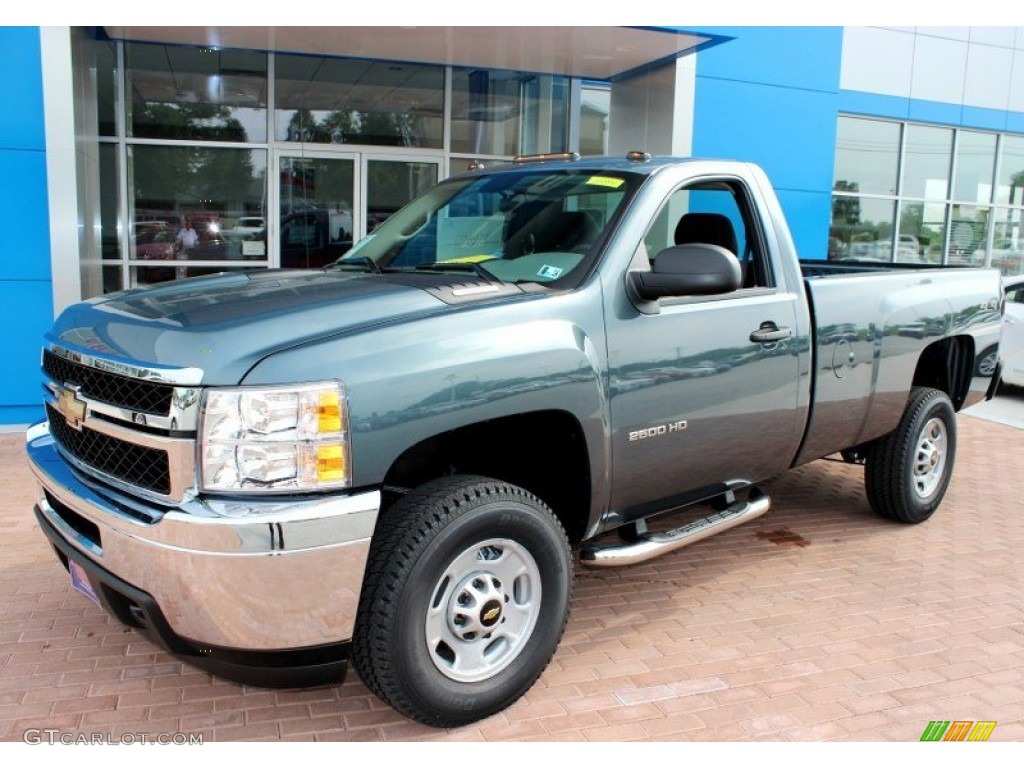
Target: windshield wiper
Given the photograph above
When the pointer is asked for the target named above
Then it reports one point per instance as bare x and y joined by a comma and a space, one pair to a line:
359, 261
460, 266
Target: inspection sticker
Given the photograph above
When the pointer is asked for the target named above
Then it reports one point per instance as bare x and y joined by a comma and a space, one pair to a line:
606, 181
551, 273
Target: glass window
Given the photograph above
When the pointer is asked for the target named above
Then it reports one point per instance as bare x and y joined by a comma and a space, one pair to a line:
186, 202
182, 92
109, 208
496, 112
105, 63
349, 101
485, 112
111, 277
926, 162
390, 184
975, 163
715, 213
861, 228
968, 233
595, 106
531, 226
544, 125
922, 232
316, 225
1010, 189
867, 156
1008, 241
99, 235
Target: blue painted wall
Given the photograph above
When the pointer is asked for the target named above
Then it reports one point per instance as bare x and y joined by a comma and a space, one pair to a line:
771, 96
26, 304
919, 110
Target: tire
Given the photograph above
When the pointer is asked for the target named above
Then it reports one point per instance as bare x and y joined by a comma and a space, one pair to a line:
465, 598
908, 470
987, 361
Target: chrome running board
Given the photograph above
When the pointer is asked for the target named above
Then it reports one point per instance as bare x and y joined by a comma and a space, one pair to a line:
650, 545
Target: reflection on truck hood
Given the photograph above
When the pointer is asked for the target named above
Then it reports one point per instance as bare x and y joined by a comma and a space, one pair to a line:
225, 324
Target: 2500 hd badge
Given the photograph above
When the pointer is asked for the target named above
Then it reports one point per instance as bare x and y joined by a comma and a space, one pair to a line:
661, 429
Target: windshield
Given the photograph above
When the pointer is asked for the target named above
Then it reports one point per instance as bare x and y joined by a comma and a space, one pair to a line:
517, 226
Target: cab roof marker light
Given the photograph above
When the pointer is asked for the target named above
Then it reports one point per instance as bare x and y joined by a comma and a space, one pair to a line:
638, 156
545, 158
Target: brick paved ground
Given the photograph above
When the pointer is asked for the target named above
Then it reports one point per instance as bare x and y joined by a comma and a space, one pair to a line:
816, 622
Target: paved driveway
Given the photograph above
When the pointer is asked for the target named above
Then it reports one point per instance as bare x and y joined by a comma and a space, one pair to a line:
817, 621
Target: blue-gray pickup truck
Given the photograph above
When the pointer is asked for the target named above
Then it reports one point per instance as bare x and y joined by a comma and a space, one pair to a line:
397, 459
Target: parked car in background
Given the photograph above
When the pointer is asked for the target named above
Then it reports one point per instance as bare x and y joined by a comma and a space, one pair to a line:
154, 243
909, 249
1007, 257
1011, 346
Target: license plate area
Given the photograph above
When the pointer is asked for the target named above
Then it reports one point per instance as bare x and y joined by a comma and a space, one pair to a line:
80, 581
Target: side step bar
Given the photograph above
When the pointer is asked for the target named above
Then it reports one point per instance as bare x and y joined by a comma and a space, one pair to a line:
650, 545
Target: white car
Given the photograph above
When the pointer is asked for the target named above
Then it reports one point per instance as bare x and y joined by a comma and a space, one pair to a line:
1011, 345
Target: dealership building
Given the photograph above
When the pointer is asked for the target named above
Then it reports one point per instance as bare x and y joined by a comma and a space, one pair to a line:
283, 145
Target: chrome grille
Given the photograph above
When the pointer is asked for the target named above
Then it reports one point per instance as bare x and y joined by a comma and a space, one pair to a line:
137, 465
106, 387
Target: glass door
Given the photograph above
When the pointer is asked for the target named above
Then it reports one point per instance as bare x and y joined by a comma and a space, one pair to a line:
329, 200
319, 204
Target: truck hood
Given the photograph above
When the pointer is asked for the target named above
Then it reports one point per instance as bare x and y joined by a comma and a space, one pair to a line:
225, 324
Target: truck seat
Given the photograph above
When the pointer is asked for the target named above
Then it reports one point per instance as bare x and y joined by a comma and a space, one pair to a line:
713, 228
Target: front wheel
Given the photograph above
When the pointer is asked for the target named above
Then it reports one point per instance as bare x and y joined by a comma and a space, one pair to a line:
464, 601
907, 471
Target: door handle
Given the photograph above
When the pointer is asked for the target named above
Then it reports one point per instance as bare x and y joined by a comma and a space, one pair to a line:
769, 332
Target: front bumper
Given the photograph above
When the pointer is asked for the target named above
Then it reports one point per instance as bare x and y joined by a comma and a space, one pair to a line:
244, 583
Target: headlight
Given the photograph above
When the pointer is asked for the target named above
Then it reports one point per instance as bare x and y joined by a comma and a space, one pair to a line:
290, 438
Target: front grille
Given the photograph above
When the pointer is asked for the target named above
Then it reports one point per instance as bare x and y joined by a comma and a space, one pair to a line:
111, 388
136, 465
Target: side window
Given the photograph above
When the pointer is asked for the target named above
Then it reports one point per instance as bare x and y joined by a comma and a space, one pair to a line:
713, 212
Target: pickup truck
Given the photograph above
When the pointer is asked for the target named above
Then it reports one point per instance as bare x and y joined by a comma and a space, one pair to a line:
396, 459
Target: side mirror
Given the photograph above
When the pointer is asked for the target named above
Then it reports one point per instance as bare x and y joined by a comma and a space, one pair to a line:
696, 269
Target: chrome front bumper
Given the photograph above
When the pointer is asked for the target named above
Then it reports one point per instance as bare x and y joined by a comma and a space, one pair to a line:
253, 575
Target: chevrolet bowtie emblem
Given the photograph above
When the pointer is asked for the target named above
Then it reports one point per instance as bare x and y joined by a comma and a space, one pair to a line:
492, 614
71, 408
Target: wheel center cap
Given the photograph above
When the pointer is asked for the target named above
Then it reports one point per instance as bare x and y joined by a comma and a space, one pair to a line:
490, 613
934, 458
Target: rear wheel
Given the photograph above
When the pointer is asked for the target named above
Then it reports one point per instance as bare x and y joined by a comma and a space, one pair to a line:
908, 470
987, 362
466, 594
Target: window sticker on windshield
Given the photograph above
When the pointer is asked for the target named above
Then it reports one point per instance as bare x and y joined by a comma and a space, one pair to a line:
551, 273
606, 181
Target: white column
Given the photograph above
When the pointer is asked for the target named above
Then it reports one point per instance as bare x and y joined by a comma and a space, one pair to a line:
653, 111
58, 98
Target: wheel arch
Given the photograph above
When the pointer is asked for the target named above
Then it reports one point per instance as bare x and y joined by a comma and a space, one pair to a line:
543, 452
948, 366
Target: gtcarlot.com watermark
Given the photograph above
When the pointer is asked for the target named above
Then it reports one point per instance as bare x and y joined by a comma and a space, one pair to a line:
57, 736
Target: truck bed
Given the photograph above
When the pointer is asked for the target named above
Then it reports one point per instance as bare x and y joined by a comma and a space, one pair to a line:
818, 268
872, 323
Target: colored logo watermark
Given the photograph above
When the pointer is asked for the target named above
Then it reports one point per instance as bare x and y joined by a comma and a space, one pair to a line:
958, 730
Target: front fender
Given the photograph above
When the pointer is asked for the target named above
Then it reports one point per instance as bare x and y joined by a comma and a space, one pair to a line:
408, 382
